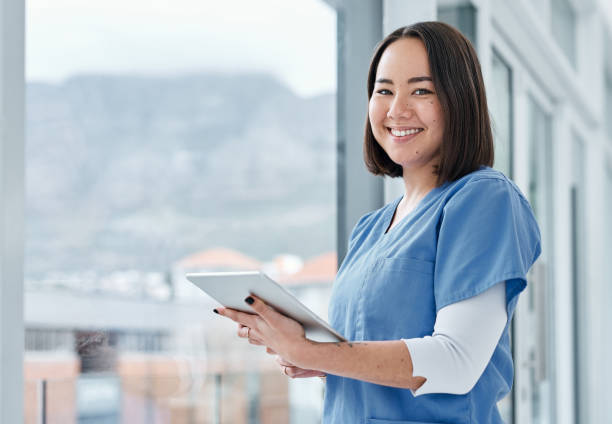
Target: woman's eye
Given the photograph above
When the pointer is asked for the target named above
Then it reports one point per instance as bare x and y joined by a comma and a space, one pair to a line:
421, 91
384, 91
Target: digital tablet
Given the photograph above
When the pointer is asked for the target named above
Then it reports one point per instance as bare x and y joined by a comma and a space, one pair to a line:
231, 288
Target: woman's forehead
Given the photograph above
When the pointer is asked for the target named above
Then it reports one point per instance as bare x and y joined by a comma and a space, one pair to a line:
405, 58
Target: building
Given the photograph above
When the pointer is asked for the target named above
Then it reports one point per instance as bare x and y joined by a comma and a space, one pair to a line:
161, 360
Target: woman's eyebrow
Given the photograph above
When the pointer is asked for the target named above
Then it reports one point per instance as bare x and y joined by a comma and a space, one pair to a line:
410, 81
419, 79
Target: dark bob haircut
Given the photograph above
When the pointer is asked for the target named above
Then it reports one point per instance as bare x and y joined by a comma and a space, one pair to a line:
467, 142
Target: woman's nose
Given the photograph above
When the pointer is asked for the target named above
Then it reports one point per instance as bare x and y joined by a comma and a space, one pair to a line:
400, 108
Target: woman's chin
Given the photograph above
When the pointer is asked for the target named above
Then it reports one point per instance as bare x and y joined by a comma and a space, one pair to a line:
414, 164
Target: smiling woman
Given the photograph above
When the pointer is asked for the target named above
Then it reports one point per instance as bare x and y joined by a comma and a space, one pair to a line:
422, 270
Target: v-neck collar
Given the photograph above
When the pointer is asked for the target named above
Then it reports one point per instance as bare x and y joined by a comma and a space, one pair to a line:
393, 209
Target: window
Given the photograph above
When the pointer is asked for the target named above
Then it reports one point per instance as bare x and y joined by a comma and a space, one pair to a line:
580, 311
462, 17
608, 106
607, 302
163, 139
563, 26
499, 97
500, 106
540, 290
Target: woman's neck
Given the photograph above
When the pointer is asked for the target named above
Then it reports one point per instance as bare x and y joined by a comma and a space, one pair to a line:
417, 183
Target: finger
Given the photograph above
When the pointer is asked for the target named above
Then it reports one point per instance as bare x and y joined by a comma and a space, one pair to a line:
270, 351
308, 374
248, 333
243, 331
283, 362
315, 373
263, 310
292, 372
296, 372
255, 335
248, 320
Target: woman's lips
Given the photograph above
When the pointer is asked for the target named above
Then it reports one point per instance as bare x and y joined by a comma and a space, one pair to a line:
409, 134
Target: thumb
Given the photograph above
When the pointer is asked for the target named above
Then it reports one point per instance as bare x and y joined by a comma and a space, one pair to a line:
263, 310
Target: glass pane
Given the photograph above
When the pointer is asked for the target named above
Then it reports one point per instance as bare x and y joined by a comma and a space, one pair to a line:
499, 97
608, 108
500, 108
540, 290
164, 138
581, 387
607, 301
462, 17
563, 25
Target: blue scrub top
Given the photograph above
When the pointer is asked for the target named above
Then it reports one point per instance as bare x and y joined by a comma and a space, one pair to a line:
462, 238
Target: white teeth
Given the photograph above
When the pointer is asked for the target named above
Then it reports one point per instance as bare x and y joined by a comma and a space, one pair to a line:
401, 133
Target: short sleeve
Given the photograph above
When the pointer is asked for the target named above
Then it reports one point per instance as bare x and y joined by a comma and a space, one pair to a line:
360, 230
487, 234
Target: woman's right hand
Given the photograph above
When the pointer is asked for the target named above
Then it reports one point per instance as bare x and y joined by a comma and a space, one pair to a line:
291, 370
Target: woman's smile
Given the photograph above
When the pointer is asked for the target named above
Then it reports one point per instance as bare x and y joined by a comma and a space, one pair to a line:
403, 134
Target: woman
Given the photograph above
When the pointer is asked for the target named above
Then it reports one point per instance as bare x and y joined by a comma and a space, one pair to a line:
430, 281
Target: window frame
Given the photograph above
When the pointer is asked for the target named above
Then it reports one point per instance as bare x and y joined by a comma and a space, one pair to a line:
526, 87
12, 184
359, 30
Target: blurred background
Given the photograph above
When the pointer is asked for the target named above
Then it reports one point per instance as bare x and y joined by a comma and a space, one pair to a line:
168, 137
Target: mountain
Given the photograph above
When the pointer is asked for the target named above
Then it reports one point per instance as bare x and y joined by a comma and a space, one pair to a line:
129, 172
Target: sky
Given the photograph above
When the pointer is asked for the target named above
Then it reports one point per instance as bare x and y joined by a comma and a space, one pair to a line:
294, 40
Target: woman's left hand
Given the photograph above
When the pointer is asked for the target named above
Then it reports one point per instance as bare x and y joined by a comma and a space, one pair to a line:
268, 328
292, 371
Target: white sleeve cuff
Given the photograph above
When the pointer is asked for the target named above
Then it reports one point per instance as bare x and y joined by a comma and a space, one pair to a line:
455, 356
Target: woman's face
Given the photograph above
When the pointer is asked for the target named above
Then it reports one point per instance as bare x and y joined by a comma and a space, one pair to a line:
404, 110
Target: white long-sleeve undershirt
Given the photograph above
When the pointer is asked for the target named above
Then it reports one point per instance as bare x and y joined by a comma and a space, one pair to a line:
465, 335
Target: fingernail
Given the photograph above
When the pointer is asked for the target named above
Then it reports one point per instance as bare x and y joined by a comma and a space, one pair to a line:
215, 311
249, 300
